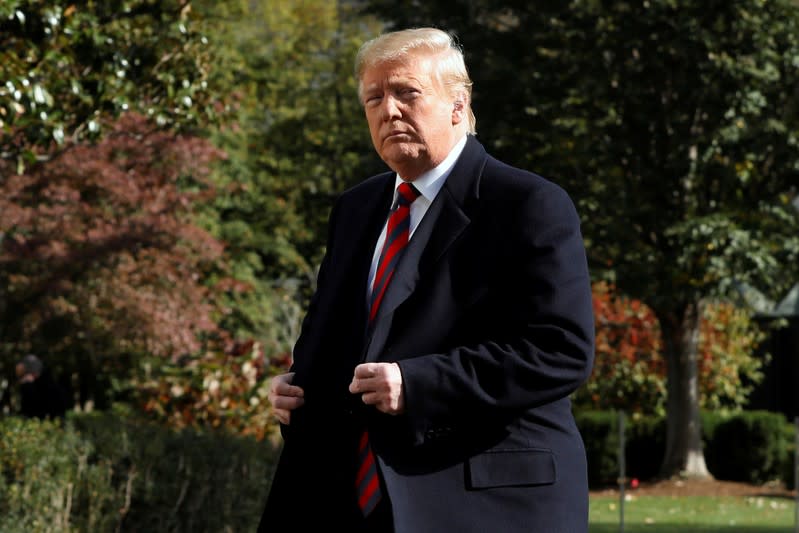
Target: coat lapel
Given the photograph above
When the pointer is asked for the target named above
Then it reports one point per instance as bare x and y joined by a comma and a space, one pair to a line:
444, 221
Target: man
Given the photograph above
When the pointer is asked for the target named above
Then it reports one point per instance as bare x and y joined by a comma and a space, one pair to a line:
40, 395
430, 385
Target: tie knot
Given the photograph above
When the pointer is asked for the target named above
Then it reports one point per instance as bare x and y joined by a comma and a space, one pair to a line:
407, 193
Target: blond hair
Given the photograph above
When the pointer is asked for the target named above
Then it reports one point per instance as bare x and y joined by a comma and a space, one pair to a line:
450, 69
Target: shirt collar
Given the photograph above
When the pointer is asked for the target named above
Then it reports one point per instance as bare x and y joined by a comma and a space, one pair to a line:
430, 182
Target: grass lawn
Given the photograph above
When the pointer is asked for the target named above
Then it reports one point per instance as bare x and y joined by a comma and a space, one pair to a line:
694, 514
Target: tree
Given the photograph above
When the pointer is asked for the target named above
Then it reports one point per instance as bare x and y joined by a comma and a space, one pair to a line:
295, 138
673, 124
99, 259
298, 140
66, 71
97, 254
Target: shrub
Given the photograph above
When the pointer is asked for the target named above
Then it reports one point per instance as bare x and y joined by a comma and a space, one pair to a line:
728, 366
645, 446
103, 472
629, 370
600, 431
48, 482
788, 470
749, 446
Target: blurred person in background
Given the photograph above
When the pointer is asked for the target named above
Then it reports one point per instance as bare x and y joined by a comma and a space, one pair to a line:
40, 396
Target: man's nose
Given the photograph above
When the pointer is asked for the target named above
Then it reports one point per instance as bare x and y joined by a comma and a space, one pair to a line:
390, 108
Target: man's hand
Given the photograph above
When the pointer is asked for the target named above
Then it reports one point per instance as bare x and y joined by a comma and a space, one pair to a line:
380, 384
284, 396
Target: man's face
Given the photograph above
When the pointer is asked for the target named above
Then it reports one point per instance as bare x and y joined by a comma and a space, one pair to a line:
411, 118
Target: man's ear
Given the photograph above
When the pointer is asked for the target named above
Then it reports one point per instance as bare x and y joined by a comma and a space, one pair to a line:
458, 111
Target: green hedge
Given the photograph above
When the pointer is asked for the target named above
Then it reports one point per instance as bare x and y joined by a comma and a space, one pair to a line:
788, 468
600, 430
749, 446
102, 472
644, 445
46, 477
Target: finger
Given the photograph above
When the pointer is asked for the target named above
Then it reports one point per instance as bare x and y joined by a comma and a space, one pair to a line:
284, 389
379, 402
281, 384
283, 416
365, 385
370, 398
286, 378
366, 370
284, 401
362, 380
288, 403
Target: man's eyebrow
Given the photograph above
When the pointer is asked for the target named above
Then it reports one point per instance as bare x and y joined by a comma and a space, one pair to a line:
404, 81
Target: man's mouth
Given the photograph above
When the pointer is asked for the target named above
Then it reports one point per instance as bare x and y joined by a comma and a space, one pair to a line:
396, 134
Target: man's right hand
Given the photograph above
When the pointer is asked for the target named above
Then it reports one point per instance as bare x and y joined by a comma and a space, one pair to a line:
284, 396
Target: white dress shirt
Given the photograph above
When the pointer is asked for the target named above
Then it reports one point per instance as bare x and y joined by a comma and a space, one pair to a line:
428, 185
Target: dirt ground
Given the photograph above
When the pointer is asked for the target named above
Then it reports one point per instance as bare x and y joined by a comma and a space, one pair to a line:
701, 487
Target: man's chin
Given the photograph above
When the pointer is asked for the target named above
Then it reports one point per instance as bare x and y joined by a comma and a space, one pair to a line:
399, 144
401, 149
400, 156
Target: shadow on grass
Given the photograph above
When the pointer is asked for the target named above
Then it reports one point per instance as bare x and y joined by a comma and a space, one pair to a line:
681, 528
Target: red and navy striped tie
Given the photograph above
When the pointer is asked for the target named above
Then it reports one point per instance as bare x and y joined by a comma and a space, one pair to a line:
397, 231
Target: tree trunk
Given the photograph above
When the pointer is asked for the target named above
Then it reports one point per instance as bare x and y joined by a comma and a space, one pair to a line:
684, 455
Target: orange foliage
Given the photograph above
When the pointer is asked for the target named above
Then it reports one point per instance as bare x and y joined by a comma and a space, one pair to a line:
630, 372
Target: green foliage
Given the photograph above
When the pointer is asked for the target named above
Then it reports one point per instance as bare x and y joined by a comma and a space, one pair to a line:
67, 69
294, 137
670, 121
51, 481
300, 136
98, 272
791, 459
729, 368
644, 439
600, 431
645, 442
749, 446
103, 473
95, 241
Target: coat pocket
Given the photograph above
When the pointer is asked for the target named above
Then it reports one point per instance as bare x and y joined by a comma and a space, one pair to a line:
511, 468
